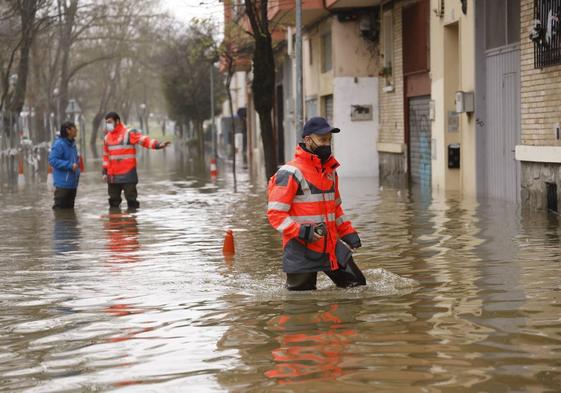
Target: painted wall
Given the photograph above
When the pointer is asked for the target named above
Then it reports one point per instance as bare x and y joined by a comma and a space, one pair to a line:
291, 134
351, 80
317, 84
355, 146
452, 42
392, 128
352, 54
256, 157
238, 88
311, 67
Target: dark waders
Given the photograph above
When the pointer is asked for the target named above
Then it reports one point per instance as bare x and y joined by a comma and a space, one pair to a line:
64, 198
114, 190
347, 277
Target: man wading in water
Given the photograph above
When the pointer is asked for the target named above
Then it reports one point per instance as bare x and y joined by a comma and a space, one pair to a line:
119, 160
305, 207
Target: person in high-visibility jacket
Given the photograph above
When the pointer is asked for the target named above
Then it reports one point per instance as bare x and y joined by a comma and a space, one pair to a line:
119, 159
304, 205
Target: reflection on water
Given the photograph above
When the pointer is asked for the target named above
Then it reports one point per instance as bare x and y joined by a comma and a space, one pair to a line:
462, 295
66, 232
309, 357
122, 237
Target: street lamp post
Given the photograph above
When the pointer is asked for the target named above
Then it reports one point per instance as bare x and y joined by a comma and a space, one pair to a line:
299, 103
213, 125
57, 98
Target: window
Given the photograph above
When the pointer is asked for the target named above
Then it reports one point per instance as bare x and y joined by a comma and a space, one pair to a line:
310, 51
388, 38
545, 34
502, 23
327, 108
311, 107
513, 21
326, 59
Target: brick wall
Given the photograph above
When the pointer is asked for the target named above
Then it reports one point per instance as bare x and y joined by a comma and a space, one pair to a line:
391, 103
540, 94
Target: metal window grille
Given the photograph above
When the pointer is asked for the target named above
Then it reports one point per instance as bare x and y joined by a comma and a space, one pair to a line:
547, 33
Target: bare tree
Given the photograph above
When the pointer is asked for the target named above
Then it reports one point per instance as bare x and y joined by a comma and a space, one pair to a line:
29, 24
263, 83
186, 76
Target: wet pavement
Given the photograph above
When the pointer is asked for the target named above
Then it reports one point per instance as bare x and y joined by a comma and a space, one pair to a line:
145, 302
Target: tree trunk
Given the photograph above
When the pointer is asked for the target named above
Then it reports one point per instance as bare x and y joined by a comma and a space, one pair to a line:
263, 83
28, 11
263, 89
67, 23
96, 122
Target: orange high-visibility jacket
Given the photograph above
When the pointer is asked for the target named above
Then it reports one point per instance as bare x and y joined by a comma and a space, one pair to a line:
119, 153
306, 192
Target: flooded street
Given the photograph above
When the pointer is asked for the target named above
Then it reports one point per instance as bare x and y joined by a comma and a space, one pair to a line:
146, 302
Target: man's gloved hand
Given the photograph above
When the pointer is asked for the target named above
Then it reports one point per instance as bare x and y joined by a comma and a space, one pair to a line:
356, 244
308, 234
352, 240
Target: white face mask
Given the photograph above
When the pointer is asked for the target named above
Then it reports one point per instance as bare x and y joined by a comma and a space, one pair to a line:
109, 126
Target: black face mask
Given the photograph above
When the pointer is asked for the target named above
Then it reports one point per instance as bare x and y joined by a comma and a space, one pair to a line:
323, 152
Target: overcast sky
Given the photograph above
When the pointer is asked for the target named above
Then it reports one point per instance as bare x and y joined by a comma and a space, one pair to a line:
185, 10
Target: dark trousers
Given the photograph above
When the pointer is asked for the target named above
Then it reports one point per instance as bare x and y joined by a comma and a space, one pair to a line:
64, 198
347, 277
114, 190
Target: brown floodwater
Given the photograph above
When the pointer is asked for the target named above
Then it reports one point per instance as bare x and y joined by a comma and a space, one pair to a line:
463, 295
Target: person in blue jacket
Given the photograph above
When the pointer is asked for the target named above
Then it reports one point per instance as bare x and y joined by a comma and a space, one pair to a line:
65, 162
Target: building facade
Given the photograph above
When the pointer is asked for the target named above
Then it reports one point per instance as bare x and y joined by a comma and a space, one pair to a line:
539, 149
404, 143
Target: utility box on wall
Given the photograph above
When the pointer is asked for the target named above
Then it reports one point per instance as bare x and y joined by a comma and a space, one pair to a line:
454, 156
464, 102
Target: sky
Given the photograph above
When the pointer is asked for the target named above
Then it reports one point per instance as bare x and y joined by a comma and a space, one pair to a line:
185, 10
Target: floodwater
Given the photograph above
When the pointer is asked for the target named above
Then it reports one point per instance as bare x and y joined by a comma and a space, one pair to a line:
462, 296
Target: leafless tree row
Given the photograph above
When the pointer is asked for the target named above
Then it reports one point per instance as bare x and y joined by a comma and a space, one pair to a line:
101, 53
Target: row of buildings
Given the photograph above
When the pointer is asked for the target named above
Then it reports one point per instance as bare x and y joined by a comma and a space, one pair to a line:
450, 95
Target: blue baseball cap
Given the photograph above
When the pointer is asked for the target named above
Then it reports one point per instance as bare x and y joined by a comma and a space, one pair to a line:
319, 126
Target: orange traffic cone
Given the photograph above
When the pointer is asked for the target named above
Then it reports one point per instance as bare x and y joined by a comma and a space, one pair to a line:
229, 247
21, 176
213, 169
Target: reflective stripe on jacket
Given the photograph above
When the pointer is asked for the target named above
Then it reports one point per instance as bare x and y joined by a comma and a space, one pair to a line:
119, 153
306, 192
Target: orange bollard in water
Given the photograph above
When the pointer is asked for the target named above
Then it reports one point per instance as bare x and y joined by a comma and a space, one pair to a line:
229, 247
213, 169
49, 176
21, 176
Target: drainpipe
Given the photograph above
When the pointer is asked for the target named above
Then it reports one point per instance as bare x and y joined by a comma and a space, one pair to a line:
299, 79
